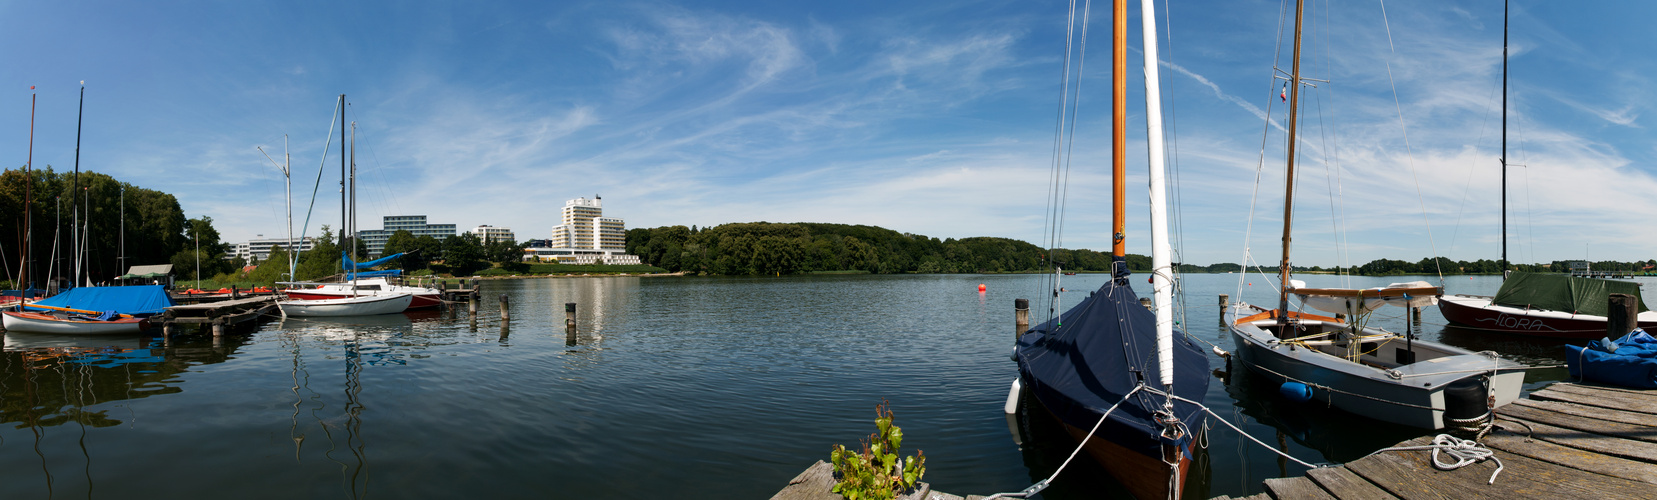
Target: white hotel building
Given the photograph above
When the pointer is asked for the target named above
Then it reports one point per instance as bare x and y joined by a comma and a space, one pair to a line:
259, 250
586, 237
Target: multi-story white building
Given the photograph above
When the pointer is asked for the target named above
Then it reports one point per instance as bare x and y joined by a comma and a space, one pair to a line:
586, 236
415, 224
487, 233
259, 250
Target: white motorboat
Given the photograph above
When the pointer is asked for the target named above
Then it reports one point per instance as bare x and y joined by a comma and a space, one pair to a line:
365, 305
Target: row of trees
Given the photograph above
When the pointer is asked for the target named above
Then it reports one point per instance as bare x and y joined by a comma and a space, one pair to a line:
460, 255
152, 223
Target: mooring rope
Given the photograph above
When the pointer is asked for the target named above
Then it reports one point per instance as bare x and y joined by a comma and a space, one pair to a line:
1465, 451
1042, 485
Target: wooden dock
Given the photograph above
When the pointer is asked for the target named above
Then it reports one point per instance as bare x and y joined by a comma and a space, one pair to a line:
817, 482
220, 316
1566, 441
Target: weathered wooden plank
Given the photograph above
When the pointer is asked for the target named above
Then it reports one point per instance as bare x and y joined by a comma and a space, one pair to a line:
1581, 410
1572, 393
1572, 457
813, 484
1295, 488
1635, 450
1616, 429
1593, 386
1398, 477
1554, 481
227, 303
1345, 485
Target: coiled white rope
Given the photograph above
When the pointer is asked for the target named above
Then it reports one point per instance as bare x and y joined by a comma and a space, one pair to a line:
1465, 452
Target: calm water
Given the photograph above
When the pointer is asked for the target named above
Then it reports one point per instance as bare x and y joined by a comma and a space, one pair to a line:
672, 388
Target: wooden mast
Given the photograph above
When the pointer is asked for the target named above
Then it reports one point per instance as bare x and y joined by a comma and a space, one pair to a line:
1119, 143
28, 203
1289, 176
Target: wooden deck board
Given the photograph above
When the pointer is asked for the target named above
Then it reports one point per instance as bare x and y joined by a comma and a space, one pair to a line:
1571, 457
1603, 388
223, 304
1342, 483
1582, 423
1614, 415
1599, 443
1296, 488
1572, 393
1398, 477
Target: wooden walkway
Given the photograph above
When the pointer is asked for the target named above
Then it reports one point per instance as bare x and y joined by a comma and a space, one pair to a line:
220, 316
817, 481
1566, 441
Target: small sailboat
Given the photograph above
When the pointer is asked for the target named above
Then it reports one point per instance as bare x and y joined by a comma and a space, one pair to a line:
1543, 305
356, 299
366, 283
1361, 369
1118, 377
90, 311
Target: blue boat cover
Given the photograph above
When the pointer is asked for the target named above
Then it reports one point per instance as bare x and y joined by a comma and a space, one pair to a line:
1099, 350
1630, 361
345, 261
142, 300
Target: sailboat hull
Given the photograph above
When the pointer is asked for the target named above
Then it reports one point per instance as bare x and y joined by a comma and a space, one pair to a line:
48, 323
351, 306
1479, 313
1143, 475
1378, 385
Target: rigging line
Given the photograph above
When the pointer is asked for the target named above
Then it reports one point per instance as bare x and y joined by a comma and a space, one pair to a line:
1049, 213
1171, 147
327, 143
378, 167
1344, 244
1329, 179
1408, 151
1075, 106
1524, 165
1260, 165
1467, 189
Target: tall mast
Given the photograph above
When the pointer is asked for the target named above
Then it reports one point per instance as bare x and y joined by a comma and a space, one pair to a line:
1504, 139
74, 204
1289, 177
1119, 143
1161, 251
28, 200
342, 168
287, 180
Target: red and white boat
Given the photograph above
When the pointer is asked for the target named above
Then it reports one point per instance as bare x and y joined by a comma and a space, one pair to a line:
366, 287
362, 305
1544, 305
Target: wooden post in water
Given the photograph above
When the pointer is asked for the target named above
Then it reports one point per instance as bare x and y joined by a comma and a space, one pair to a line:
506, 312
218, 328
1146, 301
234, 293
569, 315
472, 303
1621, 310
1225, 301
1021, 317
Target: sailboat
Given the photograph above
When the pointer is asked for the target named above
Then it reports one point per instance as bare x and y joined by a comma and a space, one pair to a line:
1545, 305
355, 304
1118, 377
1347, 364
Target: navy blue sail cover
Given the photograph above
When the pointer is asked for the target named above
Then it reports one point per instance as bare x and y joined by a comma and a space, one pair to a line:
1100, 350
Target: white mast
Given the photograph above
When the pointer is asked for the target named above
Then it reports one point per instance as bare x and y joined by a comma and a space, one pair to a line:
1162, 272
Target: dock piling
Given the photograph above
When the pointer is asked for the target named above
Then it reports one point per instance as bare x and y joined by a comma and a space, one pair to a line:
1021, 317
1225, 301
506, 312
569, 316
1621, 312
1146, 301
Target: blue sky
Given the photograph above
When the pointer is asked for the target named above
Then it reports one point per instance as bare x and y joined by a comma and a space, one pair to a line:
933, 118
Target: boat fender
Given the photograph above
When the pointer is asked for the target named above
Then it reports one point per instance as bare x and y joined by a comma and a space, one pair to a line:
1295, 391
1221, 352
1464, 399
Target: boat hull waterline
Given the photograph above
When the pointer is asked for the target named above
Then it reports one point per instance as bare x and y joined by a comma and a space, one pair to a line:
351, 306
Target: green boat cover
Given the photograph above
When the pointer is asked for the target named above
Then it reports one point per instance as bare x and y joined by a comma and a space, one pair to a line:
1563, 292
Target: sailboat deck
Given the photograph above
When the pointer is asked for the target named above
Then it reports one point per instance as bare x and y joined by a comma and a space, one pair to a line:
1567, 441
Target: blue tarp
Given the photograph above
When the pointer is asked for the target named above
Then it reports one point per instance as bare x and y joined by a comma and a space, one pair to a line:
1630, 361
135, 300
345, 261
1098, 351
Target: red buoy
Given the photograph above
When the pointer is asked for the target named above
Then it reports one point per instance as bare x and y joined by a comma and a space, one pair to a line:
981, 288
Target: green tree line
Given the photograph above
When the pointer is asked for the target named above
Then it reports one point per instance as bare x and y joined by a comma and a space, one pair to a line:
155, 227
